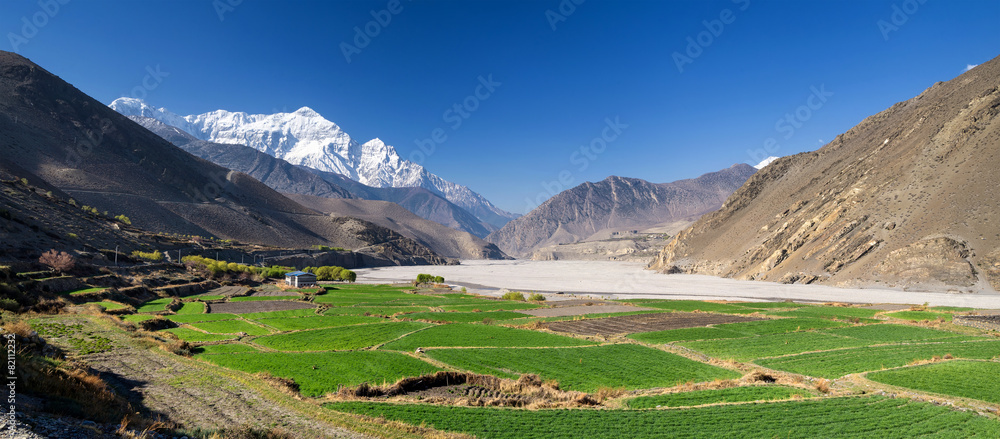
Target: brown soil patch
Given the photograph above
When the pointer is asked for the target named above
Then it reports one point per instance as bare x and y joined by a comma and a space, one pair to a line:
581, 310
645, 323
258, 306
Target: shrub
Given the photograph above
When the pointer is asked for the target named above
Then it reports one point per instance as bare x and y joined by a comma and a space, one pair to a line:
348, 275
58, 261
514, 295
124, 220
73, 236
439, 279
423, 278
155, 256
536, 298
9, 304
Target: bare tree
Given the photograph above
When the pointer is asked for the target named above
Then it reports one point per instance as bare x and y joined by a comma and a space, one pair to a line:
58, 261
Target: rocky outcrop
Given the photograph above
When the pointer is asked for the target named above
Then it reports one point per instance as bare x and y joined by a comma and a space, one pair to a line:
907, 198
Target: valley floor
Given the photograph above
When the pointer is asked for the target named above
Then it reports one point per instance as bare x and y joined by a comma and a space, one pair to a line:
630, 280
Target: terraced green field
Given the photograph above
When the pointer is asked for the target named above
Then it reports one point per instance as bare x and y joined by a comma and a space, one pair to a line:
917, 316
231, 327
780, 326
340, 338
464, 317
469, 335
828, 418
190, 335
110, 306
889, 333
832, 312
586, 368
691, 305
191, 318
838, 363
322, 372
156, 305
685, 334
967, 379
315, 321
191, 308
746, 349
735, 394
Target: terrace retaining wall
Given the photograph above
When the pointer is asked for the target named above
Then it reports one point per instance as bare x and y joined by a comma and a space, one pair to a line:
988, 323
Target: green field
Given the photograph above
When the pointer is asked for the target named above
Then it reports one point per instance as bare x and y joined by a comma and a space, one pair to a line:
838, 363
315, 322
191, 318
156, 305
470, 335
954, 378
888, 333
340, 338
464, 317
780, 326
826, 418
323, 372
491, 305
918, 316
190, 335
685, 334
587, 368
746, 349
192, 308
691, 305
229, 348
274, 314
832, 312
735, 394
231, 327
386, 311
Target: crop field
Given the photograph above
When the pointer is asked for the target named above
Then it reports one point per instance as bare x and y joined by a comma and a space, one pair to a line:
464, 317
746, 349
231, 327
780, 326
355, 334
967, 379
691, 305
919, 315
735, 394
834, 364
340, 338
587, 368
468, 335
154, 305
190, 335
110, 306
686, 334
192, 308
832, 417
323, 372
315, 322
192, 318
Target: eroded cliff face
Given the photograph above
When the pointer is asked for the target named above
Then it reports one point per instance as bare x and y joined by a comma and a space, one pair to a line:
906, 198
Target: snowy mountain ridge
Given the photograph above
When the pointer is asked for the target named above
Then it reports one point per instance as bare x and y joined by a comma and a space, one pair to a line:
305, 138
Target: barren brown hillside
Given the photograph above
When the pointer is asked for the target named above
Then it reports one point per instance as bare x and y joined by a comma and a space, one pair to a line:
906, 198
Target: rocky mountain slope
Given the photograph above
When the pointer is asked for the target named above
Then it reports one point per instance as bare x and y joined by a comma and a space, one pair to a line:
102, 159
594, 210
443, 240
906, 198
292, 179
305, 138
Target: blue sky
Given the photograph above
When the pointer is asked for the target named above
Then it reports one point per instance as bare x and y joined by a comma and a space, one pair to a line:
689, 86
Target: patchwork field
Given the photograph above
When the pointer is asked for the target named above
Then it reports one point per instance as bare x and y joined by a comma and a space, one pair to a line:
695, 369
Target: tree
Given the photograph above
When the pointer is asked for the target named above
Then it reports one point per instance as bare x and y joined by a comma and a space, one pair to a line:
348, 275
58, 261
424, 278
439, 279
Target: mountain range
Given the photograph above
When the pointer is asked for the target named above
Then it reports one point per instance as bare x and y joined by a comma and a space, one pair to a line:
54, 136
906, 198
595, 210
305, 138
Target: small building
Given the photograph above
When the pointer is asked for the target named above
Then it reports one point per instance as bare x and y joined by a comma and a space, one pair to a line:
300, 279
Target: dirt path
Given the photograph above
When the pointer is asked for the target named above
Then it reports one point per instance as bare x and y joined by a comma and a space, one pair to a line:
191, 393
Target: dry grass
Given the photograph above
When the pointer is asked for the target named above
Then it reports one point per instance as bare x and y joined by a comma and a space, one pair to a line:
823, 385
19, 328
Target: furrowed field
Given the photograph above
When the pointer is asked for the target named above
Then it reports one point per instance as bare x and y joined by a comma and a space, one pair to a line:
480, 365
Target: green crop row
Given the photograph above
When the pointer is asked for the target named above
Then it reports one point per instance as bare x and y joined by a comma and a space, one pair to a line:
969, 379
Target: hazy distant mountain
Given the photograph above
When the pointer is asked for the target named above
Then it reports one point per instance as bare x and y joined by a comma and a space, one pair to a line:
104, 160
305, 138
908, 197
593, 210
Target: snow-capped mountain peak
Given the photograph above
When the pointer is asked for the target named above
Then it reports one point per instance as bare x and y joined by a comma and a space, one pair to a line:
765, 162
306, 138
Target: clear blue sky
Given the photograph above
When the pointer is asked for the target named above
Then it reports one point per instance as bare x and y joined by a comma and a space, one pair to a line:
605, 59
